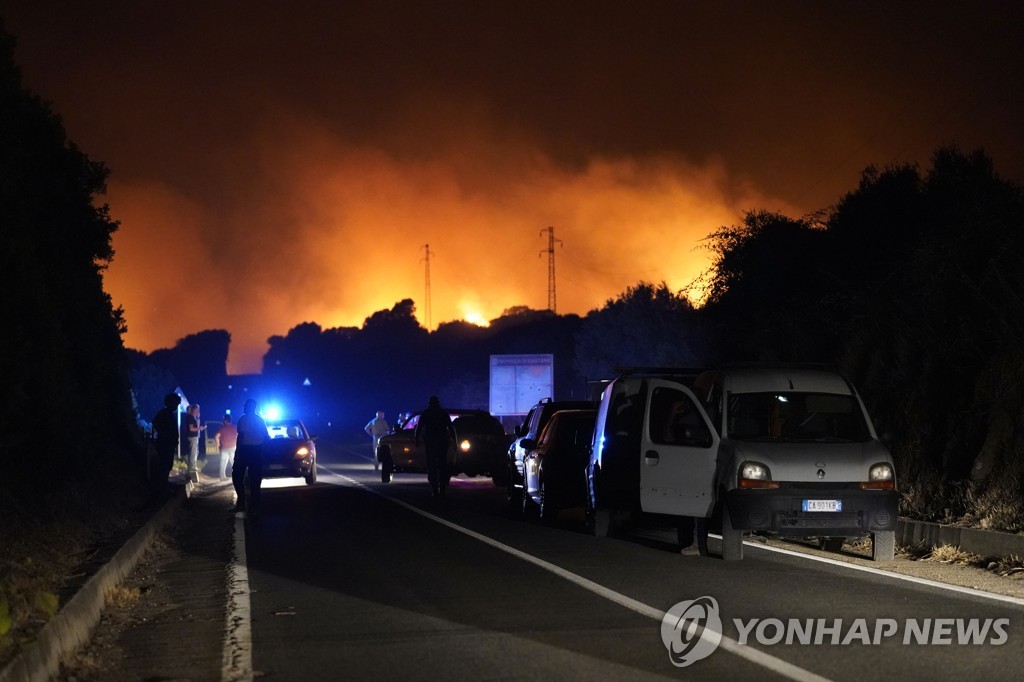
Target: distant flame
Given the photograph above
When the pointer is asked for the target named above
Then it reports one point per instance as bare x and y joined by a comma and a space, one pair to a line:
477, 319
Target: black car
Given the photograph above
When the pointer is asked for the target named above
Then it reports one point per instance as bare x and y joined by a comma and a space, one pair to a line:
535, 421
479, 447
480, 444
556, 464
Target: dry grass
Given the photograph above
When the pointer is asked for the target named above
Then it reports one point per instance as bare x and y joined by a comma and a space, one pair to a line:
121, 596
1008, 567
950, 554
47, 549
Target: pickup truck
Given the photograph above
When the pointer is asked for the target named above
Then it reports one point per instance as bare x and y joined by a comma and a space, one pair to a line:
780, 448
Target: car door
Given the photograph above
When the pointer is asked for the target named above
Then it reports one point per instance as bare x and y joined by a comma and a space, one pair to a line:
679, 451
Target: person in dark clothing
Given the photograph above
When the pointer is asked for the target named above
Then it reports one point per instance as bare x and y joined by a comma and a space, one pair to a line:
435, 430
252, 433
165, 426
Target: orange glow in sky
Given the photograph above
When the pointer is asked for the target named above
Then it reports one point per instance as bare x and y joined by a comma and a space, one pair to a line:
288, 163
336, 232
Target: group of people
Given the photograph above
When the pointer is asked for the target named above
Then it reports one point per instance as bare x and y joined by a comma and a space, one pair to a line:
239, 446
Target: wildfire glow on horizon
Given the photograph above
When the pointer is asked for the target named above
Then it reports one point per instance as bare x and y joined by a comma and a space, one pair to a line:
342, 239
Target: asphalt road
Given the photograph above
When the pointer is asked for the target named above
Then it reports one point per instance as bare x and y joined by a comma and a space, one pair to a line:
355, 579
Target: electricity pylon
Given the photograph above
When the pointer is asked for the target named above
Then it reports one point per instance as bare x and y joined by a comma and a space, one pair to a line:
551, 267
426, 286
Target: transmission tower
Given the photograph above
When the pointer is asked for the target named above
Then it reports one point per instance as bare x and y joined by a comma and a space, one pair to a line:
551, 266
426, 307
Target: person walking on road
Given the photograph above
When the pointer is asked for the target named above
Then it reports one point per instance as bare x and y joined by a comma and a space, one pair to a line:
252, 433
227, 441
435, 430
165, 426
375, 428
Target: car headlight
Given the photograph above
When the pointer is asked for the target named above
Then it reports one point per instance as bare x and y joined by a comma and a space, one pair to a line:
880, 477
756, 475
302, 452
464, 445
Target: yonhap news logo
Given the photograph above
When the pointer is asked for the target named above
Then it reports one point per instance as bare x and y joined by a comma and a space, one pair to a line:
692, 630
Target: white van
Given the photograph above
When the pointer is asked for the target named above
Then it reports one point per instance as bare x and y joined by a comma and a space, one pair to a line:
786, 449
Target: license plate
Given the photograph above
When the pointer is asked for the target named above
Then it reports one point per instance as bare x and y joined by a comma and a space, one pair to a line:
823, 505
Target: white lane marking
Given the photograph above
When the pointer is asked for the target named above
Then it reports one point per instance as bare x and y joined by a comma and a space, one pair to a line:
236, 662
760, 658
1017, 601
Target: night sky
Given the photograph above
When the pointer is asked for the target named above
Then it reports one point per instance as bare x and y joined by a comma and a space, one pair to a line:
275, 163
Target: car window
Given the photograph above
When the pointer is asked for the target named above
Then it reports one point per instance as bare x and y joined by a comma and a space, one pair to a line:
533, 424
674, 419
579, 431
796, 416
479, 424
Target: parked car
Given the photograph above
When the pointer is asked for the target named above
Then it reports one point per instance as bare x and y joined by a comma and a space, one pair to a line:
481, 443
556, 464
480, 436
784, 449
290, 451
534, 422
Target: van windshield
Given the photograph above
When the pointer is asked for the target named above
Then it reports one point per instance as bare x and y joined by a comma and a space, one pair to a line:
821, 417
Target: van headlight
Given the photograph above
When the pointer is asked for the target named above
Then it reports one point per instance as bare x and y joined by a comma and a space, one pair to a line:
880, 477
464, 445
756, 475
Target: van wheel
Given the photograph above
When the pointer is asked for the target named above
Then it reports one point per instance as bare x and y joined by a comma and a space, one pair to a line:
732, 538
883, 545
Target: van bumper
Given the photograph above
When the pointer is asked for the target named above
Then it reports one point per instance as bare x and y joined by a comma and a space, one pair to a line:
782, 510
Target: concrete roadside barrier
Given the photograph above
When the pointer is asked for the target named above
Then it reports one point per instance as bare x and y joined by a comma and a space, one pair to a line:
986, 543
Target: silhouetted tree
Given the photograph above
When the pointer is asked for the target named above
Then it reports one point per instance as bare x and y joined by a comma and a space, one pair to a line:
646, 326
63, 362
767, 293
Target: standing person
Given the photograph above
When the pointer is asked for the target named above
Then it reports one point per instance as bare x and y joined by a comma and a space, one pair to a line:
165, 424
190, 429
227, 441
436, 431
376, 428
252, 432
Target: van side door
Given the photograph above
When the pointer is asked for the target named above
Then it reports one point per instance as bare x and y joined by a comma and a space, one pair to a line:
679, 452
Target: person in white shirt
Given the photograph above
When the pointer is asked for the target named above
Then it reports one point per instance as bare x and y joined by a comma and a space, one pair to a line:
376, 428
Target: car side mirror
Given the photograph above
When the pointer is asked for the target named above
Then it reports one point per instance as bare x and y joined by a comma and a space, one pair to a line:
528, 444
